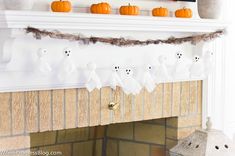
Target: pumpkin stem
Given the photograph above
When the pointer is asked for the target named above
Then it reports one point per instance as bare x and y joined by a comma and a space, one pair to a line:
129, 4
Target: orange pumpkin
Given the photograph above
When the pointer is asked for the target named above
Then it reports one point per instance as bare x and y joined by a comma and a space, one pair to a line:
100, 8
61, 6
129, 10
184, 13
162, 12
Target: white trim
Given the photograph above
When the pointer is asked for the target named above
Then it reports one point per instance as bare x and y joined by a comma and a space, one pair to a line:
214, 89
84, 21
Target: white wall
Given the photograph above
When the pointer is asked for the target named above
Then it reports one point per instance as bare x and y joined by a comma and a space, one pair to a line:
230, 71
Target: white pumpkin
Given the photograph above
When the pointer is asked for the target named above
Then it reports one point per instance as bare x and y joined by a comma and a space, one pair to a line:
18, 4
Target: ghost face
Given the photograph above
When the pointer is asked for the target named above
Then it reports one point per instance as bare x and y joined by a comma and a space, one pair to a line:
116, 68
209, 54
179, 55
196, 58
42, 52
128, 72
91, 66
67, 52
148, 68
162, 59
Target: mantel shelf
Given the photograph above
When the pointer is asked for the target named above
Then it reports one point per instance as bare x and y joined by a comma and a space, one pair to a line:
83, 21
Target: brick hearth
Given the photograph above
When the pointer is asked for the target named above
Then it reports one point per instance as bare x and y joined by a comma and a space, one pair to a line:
64, 119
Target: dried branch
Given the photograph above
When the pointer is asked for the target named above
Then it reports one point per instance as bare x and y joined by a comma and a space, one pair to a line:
121, 42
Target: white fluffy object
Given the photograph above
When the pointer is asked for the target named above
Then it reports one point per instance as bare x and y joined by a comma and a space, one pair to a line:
197, 68
146, 79
161, 72
115, 80
130, 85
208, 60
93, 80
42, 64
67, 65
181, 67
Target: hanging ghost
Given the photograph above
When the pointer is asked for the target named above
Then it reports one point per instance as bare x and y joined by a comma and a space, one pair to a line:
42, 64
67, 66
146, 79
161, 71
114, 79
197, 68
131, 86
93, 80
208, 61
181, 67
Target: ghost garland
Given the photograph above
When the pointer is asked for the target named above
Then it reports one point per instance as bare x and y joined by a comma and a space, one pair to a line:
131, 79
121, 42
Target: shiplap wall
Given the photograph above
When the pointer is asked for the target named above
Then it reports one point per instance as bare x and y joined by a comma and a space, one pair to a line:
38, 111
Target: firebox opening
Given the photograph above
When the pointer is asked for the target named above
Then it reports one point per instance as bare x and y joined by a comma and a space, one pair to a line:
143, 138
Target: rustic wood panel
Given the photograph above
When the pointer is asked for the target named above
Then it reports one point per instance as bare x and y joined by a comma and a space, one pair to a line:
184, 98
18, 124
176, 99
31, 109
127, 108
105, 100
70, 108
193, 97
199, 96
167, 110
117, 96
45, 110
159, 100
94, 107
139, 106
58, 109
148, 105
83, 106
5, 117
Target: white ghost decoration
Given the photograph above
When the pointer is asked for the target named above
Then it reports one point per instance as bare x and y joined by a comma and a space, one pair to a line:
115, 79
161, 71
146, 79
93, 80
197, 68
208, 60
181, 67
131, 86
42, 64
67, 65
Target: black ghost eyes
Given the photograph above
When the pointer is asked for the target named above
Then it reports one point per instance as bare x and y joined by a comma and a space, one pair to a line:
67, 52
116, 68
128, 71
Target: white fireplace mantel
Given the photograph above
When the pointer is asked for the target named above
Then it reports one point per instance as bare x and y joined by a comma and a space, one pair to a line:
12, 24
84, 21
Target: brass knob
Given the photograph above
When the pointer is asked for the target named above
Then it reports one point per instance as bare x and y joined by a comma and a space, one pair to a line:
113, 106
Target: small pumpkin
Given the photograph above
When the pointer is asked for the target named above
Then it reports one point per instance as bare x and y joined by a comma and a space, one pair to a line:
100, 8
184, 13
162, 12
61, 6
129, 10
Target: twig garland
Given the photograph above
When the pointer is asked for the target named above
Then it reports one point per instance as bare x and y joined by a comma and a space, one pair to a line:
121, 42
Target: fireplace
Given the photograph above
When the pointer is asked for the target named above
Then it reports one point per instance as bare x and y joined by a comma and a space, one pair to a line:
75, 122
40, 113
